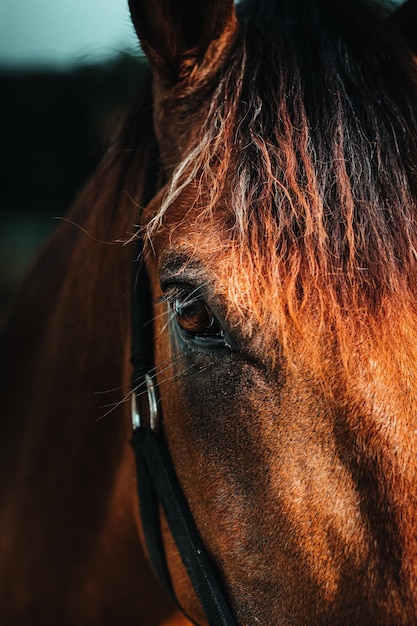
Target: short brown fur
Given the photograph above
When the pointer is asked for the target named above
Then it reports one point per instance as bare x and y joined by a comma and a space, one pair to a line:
287, 196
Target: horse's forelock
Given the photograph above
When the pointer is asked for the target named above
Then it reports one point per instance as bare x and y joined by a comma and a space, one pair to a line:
306, 163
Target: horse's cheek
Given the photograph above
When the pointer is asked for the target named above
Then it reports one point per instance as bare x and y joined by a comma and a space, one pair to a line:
262, 486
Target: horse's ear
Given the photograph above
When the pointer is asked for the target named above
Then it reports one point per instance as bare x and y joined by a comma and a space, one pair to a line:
179, 35
405, 19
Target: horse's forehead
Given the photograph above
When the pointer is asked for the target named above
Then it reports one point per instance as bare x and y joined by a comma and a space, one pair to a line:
201, 252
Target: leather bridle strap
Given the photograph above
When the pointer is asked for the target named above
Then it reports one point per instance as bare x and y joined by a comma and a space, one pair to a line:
157, 482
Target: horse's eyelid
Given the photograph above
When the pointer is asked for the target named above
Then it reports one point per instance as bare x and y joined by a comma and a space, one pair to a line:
173, 293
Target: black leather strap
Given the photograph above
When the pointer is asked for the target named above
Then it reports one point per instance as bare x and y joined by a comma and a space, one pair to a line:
157, 482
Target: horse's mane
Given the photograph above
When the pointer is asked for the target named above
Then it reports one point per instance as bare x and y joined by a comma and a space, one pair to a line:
309, 153
307, 158
107, 211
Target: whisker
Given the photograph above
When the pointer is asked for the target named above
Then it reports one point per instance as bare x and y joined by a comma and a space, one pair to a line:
100, 393
136, 389
113, 406
139, 384
163, 366
85, 231
177, 375
158, 316
165, 326
130, 382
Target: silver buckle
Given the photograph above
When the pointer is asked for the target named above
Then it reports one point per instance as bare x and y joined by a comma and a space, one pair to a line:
153, 415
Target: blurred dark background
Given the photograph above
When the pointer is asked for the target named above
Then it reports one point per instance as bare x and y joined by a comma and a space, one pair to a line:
56, 125
59, 108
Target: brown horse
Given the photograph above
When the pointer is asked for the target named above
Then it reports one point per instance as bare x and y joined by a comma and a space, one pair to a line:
281, 252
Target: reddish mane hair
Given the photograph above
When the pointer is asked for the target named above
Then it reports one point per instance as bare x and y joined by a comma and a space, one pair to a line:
305, 166
308, 152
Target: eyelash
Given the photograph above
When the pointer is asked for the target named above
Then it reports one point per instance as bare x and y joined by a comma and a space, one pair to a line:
175, 292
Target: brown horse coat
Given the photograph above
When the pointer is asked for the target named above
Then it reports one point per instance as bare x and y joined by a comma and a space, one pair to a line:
297, 458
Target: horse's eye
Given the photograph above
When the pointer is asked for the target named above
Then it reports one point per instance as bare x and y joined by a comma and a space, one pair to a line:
194, 317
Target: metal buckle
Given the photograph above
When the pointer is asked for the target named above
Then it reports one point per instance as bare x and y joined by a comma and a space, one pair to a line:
153, 415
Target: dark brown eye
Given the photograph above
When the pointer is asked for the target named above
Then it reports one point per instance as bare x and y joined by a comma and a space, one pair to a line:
194, 317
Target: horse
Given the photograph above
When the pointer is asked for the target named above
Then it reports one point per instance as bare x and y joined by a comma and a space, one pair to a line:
257, 214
